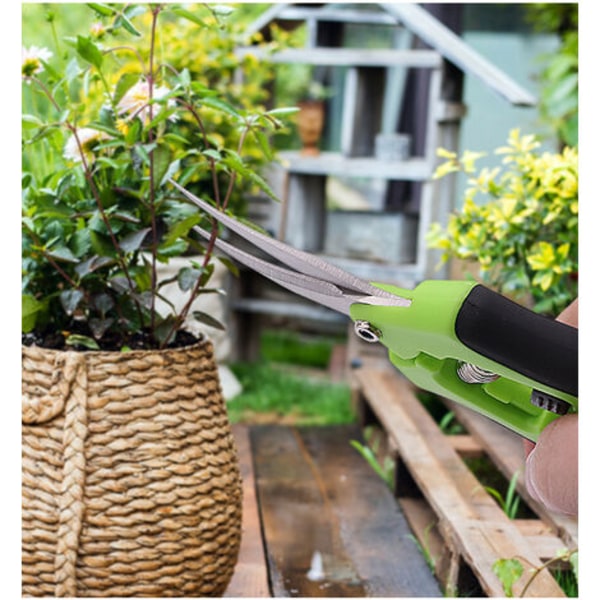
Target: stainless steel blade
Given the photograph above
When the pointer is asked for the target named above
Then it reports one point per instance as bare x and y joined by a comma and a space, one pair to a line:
303, 262
311, 288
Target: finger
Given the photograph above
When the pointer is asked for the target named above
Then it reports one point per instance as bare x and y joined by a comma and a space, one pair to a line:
552, 471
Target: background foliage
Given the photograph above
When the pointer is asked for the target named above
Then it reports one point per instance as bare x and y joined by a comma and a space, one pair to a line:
519, 222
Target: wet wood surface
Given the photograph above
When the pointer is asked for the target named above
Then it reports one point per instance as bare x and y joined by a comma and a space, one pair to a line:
331, 526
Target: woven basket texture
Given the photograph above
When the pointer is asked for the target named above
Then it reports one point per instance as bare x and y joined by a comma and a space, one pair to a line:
131, 483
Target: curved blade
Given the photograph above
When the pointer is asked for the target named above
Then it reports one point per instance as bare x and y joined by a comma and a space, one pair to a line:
303, 262
317, 290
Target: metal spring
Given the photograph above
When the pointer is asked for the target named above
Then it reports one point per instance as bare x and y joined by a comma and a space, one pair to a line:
470, 373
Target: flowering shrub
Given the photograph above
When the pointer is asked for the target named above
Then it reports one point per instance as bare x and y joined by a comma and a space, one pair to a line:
525, 237
109, 126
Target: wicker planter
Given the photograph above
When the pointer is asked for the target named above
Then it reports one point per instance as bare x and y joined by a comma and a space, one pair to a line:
131, 484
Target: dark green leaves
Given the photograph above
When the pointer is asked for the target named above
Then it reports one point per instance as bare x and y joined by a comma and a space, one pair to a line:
107, 124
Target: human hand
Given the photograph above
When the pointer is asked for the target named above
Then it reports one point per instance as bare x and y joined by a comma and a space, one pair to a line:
551, 468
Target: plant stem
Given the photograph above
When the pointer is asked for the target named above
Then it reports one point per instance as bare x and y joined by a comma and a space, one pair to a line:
180, 318
535, 571
151, 137
90, 179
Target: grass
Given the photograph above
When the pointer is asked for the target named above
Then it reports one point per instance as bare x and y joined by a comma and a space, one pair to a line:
289, 384
293, 348
568, 582
271, 394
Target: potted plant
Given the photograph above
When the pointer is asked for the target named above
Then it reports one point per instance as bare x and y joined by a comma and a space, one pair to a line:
311, 116
518, 223
130, 478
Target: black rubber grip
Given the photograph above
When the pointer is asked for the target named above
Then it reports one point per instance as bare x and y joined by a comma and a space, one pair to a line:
535, 346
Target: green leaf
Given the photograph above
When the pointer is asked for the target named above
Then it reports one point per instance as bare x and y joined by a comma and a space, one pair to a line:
103, 10
176, 248
133, 132
134, 240
367, 453
93, 264
102, 244
30, 307
70, 300
221, 106
31, 122
100, 326
163, 115
187, 278
234, 161
63, 253
123, 21
207, 319
283, 112
230, 265
190, 16
162, 159
103, 302
82, 340
263, 142
89, 51
165, 331
211, 153
182, 227
203, 90
508, 571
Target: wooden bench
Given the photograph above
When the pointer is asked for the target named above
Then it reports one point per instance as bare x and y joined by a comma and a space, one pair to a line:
451, 513
311, 502
318, 521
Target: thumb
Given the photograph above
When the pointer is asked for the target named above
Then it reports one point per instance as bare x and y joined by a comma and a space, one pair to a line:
552, 472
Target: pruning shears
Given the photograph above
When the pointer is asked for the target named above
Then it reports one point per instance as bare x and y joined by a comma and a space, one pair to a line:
457, 339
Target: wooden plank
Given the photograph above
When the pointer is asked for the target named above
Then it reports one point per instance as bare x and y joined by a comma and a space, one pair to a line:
250, 578
334, 163
423, 522
466, 445
347, 57
453, 48
468, 515
546, 543
505, 448
345, 14
319, 498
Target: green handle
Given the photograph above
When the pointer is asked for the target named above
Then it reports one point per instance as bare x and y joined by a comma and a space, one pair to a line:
423, 344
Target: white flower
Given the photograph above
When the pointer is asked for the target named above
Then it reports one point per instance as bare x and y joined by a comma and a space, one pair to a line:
88, 138
31, 60
135, 101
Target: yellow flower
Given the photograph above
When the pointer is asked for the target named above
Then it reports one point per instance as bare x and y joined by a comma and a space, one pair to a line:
122, 126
